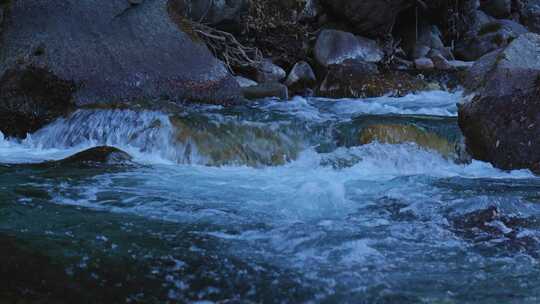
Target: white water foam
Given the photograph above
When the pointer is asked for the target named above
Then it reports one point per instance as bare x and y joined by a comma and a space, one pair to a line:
437, 103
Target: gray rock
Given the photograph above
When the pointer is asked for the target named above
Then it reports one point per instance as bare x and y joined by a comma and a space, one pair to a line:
502, 123
54, 58
479, 20
530, 15
491, 36
221, 13
440, 62
310, 11
266, 90
334, 47
507, 71
424, 64
301, 77
497, 8
368, 17
269, 72
245, 82
113, 51
372, 52
461, 65
429, 39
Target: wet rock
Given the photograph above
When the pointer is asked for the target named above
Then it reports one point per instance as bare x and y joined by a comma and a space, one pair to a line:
399, 134
357, 79
424, 64
334, 47
103, 155
502, 123
497, 8
491, 225
490, 37
368, 17
504, 130
114, 51
266, 90
301, 78
30, 98
245, 82
233, 143
269, 72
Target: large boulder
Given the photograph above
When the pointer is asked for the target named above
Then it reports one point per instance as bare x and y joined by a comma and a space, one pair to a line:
507, 71
489, 37
501, 123
368, 17
334, 47
504, 130
113, 50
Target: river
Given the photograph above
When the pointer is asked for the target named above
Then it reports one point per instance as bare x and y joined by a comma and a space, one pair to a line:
307, 201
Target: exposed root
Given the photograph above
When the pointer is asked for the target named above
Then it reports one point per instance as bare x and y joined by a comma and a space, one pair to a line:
225, 47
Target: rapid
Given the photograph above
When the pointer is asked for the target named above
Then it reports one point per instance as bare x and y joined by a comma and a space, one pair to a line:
307, 201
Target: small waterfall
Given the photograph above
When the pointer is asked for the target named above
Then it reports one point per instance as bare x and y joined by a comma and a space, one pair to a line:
186, 140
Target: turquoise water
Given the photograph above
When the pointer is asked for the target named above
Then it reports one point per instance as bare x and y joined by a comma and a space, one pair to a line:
277, 203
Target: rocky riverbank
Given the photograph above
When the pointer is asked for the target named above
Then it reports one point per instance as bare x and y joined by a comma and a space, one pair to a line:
57, 57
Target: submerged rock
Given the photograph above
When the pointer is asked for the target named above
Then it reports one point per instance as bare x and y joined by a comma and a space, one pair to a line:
114, 51
399, 134
231, 143
491, 225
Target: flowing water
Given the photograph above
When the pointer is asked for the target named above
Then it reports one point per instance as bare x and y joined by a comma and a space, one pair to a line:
312, 200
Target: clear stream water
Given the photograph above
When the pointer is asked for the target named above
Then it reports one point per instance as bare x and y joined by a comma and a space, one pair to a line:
307, 201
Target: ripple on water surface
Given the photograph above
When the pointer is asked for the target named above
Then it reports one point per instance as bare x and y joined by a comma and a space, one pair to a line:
333, 222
